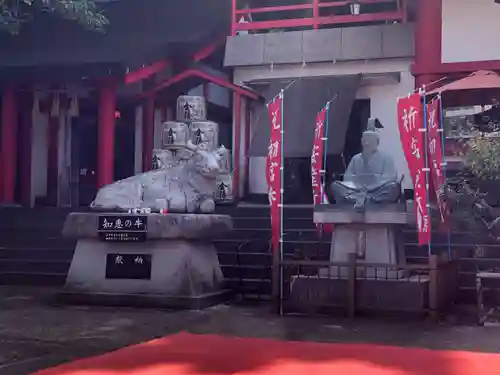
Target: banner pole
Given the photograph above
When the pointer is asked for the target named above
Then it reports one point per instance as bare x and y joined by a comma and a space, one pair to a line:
325, 151
280, 94
282, 179
443, 166
323, 174
427, 171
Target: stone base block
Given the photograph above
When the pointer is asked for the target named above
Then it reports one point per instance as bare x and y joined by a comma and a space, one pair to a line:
375, 243
168, 269
147, 300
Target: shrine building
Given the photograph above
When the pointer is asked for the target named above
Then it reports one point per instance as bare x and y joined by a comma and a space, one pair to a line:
82, 109
361, 54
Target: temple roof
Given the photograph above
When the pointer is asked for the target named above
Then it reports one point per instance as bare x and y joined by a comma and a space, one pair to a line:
137, 34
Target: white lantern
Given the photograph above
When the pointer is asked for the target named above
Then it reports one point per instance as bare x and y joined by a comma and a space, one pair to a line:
355, 8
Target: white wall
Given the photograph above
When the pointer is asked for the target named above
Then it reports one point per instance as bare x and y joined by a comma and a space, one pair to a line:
39, 156
383, 103
470, 30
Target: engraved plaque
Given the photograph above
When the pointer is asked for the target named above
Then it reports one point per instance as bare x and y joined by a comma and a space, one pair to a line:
128, 266
175, 134
191, 108
122, 228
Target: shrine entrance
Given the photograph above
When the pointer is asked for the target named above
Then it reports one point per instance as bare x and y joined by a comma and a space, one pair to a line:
298, 188
84, 164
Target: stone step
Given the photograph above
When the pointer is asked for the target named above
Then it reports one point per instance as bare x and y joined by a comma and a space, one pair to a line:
61, 254
38, 278
18, 239
34, 266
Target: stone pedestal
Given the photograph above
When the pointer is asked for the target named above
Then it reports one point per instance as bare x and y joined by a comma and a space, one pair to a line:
375, 236
174, 265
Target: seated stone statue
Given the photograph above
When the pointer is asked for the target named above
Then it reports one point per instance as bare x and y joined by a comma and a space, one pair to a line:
185, 187
370, 177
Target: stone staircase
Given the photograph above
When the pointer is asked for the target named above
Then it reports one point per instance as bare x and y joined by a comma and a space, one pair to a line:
33, 252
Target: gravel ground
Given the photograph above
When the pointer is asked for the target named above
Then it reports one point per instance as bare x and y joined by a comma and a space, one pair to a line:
35, 334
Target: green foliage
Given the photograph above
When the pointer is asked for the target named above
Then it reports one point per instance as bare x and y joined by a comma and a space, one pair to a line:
482, 158
13, 13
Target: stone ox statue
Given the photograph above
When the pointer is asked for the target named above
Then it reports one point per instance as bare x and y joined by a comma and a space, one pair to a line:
188, 186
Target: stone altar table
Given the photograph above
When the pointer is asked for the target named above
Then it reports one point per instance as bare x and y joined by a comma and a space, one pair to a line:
374, 235
153, 259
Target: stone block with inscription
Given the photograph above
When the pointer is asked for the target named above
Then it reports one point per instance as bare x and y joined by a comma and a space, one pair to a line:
149, 259
150, 236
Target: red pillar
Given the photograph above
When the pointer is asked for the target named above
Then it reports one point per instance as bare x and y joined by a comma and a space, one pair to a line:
315, 14
148, 128
237, 144
233, 17
27, 146
247, 145
9, 143
106, 135
428, 40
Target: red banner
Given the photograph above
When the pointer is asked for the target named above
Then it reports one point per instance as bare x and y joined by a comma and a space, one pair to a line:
317, 156
317, 159
411, 131
436, 156
273, 169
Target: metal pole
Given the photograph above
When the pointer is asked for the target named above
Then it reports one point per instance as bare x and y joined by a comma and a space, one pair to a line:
443, 165
427, 170
282, 175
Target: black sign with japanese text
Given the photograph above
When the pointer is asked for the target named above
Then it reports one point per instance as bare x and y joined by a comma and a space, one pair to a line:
128, 266
122, 228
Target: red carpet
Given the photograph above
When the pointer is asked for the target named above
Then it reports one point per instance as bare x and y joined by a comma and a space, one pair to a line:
187, 354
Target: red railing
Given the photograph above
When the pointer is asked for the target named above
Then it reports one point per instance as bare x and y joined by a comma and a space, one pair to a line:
316, 20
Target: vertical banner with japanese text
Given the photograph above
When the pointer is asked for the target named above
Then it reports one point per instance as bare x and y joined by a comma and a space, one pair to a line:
273, 169
318, 159
412, 132
317, 156
436, 156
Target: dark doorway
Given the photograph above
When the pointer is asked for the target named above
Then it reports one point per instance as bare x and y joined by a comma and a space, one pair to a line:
125, 143
298, 188
84, 157
84, 152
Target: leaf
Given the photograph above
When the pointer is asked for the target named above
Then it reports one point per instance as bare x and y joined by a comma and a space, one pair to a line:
84, 12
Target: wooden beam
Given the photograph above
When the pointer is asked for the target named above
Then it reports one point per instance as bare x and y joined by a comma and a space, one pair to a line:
198, 73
